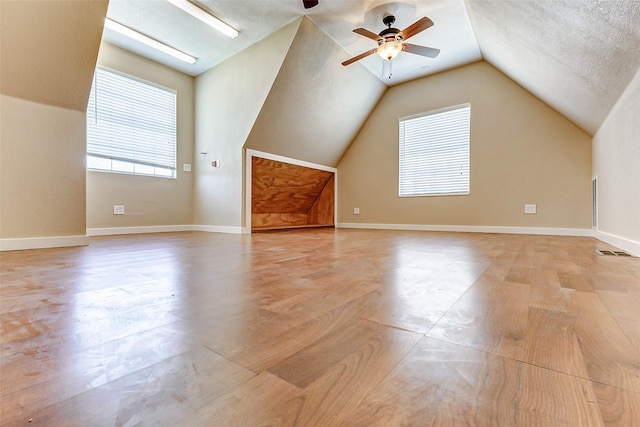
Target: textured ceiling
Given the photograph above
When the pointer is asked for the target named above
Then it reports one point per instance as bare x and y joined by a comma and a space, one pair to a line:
577, 56
164, 22
257, 19
451, 33
315, 107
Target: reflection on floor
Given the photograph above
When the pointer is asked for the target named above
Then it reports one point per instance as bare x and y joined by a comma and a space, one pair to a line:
321, 327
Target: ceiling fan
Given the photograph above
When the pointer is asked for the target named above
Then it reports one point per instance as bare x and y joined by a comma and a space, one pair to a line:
391, 41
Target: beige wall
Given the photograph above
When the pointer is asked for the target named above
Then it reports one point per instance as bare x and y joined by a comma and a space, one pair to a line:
228, 100
148, 201
616, 163
522, 151
42, 162
48, 53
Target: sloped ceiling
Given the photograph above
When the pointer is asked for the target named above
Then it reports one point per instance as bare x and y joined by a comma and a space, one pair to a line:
255, 19
451, 33
577, 56
315, 106
49, 50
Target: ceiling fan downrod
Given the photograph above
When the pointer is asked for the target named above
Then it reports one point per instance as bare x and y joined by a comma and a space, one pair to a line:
389, 33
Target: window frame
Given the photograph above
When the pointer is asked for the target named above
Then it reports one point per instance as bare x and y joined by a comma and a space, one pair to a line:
122, 164
467, 161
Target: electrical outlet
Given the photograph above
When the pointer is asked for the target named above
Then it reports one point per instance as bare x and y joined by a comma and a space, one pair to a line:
118, 209
186, 167
530, 209
215, 163
356, 211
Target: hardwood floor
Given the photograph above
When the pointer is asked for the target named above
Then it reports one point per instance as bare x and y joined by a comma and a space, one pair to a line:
321, 327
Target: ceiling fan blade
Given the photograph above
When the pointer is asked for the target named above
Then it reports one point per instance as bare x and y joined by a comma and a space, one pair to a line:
308, 4
369, 34
420, 50
416, 27
359, 57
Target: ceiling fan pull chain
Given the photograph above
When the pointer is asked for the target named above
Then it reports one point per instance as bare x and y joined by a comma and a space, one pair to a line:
386, 69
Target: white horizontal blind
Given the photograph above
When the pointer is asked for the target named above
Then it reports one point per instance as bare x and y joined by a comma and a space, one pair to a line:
132, 121
434, 153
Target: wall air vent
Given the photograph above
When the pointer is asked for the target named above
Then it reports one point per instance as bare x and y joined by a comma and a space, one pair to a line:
613, 253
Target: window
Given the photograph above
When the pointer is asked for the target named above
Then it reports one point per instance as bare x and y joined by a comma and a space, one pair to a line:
434, 153
131, 126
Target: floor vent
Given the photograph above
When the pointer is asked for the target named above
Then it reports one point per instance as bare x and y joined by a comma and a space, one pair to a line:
613, 253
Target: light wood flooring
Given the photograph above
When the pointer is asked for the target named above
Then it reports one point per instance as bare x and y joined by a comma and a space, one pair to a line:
321, 327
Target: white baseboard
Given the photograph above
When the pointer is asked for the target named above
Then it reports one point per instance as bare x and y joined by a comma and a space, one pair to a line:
42, 242
582, 232
166, 229
137, 230
623, 243
221, 229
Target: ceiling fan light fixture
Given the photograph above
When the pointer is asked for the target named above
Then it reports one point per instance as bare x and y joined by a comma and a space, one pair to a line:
205, 17
146, 40
391, 41
389, 49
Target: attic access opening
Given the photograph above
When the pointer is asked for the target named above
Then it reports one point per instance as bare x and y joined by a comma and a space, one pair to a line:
286, 195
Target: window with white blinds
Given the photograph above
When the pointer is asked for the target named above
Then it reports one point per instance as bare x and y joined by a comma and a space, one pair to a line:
131, 126
434, 153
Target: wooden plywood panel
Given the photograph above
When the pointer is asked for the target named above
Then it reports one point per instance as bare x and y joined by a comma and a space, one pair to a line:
286, 195
279, 187
321, 212
278, 220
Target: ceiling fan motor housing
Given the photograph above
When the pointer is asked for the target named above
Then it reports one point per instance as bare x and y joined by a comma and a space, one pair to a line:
389, 34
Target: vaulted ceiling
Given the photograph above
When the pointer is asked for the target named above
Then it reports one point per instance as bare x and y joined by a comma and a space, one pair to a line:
48, 50
577, 56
